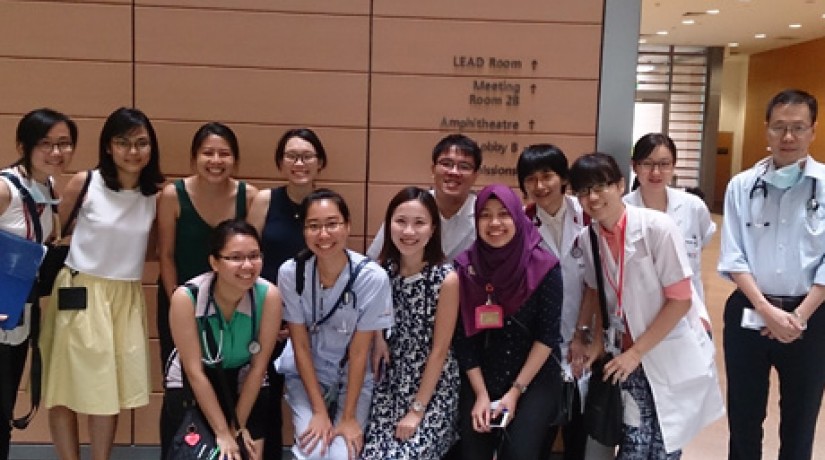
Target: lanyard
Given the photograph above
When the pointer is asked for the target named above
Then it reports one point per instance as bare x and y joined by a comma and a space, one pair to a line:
254, 346
616, 283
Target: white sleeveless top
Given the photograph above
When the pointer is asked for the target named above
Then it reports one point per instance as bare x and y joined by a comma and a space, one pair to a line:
111, 232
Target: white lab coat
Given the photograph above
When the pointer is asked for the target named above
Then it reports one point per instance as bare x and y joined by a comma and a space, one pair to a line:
681, 368
571, 260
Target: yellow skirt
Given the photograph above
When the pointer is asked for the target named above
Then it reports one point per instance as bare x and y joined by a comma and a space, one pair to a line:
95, 361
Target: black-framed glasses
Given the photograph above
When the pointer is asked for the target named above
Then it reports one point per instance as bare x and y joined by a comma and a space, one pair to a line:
47, 146
140, 144
316, 227
306, 156
595, 188
464, 167
650, 165
780, 130
252, 257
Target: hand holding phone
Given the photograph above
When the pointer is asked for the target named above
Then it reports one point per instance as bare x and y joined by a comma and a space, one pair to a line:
503, 417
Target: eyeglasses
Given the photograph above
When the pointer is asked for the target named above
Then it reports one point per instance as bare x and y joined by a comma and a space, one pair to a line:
782, 130
664, 165
464, 167
47, 146
315, 228
140, 144
306, 156
597, 189
252, 257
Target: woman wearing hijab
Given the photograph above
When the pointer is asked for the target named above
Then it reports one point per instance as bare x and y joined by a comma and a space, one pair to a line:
510, 304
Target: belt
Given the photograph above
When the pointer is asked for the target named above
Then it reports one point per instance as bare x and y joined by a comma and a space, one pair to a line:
785, 302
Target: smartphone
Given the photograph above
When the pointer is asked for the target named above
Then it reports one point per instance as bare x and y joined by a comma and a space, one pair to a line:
751, 319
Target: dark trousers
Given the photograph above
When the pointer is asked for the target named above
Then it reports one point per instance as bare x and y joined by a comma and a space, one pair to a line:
800, 365
525, 438
164, 333
12, 362
273, 438
573, 434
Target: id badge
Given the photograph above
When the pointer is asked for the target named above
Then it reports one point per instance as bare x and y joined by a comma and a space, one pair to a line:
615, 334
489, 316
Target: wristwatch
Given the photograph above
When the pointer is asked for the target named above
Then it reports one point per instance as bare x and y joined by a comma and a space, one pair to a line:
418, 407
520, 387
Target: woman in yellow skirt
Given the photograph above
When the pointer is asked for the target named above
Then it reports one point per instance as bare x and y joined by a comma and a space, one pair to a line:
94, 339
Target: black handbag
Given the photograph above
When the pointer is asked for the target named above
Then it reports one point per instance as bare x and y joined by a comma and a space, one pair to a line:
194, 439
603, 409
58, 250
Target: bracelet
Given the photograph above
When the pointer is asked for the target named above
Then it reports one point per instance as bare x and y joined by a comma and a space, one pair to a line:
520, 387
796, 314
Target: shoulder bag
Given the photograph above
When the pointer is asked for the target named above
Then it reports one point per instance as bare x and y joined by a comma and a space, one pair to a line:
603, 409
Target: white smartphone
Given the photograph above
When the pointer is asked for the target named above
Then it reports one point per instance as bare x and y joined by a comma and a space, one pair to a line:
751, 319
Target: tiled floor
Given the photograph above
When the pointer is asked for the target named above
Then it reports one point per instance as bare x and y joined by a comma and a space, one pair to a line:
712, 442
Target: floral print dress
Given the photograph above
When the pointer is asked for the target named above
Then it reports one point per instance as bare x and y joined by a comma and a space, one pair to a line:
415, 299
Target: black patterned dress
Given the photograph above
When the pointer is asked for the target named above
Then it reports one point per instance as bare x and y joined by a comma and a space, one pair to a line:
414, 299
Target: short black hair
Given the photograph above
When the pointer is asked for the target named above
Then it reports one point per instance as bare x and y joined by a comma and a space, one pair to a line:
228, 229
792, 96
463, 143
33, 127
433, 252
217, 129
305, 134
323, 194
120, 123
648, 143
541, 157
594, 168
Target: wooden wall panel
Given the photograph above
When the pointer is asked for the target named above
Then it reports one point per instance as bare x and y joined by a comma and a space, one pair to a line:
454, 48
79, 88
252, 96
65, 31
298, 6
523, 10
252, 39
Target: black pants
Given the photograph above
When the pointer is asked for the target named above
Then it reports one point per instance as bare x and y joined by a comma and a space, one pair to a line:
800, 365
573, 434
273, 438
525, 438
164, 333
12, 362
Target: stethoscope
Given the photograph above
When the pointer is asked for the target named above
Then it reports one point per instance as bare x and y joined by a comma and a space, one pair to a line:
576, 250
760, 186
254, 346
345, 298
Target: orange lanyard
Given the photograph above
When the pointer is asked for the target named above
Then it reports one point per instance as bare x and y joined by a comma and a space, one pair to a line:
616, 283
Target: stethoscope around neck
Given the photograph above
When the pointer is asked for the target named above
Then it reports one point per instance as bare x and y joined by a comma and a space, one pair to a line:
760, 186
347, 296
254, 346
